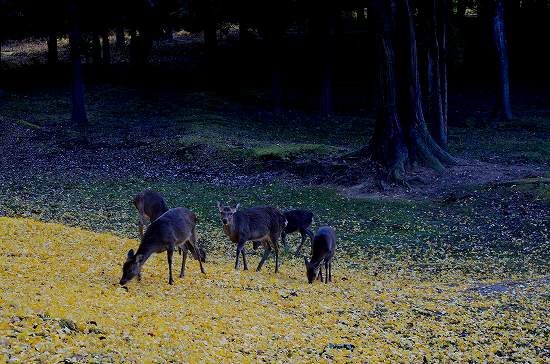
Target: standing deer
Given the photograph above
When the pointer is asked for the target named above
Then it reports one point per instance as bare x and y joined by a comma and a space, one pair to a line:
261, 223
298, 220
151, 204
322, 251
175, 229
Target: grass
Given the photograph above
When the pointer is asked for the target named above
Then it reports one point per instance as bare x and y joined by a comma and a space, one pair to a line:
61, 302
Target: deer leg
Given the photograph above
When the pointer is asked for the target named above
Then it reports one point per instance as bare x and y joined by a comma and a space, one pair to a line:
183, 259
304, 236
170, 253
320, 275
277, 260
140, 223
267, 252
244, 260
330, 271
196, 249
240, 248
326, 272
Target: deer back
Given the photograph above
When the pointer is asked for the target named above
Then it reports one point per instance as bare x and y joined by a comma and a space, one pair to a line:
151, 203
256, 223
324, 243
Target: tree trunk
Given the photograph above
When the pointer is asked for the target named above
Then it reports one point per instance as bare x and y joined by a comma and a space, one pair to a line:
78, 115
210, 35
96, 48
461, 7
401, 135
273, 38
361, 19
503, 105
387, 145
120, 41
443, 65
169, 32
133, 46
105, 48
244, 33
326, 51
437, 113
52, 47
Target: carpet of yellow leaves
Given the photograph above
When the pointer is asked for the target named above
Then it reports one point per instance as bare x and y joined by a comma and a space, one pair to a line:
60, 300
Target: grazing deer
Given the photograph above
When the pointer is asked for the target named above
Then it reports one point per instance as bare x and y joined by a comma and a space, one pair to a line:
151, 204
298, 220
175, 229
262, 223
322, 251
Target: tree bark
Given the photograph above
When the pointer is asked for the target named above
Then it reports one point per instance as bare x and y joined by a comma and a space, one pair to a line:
503, 105
52, 47
105, 48
210, 35
78, 114
438, 82
387, 145
401, 136
120, 41
326, 51
96, 48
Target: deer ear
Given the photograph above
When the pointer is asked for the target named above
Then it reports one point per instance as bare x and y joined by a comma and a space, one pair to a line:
219, 206
237, 207
130, 253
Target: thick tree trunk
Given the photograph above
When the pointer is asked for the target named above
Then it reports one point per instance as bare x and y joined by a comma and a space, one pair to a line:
169, 32
120, 41
105, 48
443, 64
438, 86
96, 48
326, 52
387, 145
78, 115
133, 46
401, 135
461, 7
211, 35
503, 105
52, 47
244, 33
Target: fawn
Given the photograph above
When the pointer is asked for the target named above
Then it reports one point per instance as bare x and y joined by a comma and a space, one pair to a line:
322, 251
173, 229
151, 204
261, 223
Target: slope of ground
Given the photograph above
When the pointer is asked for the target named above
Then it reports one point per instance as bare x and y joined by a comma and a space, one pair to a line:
61, 301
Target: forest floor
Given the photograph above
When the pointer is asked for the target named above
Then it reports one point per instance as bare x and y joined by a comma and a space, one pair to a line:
455, 268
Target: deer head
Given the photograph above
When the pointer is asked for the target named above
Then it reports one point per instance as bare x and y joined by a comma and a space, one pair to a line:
132, 267
226, 213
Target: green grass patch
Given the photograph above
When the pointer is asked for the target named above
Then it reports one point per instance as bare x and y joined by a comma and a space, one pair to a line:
293, 151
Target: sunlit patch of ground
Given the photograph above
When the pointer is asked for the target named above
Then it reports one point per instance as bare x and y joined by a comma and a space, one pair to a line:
60, 300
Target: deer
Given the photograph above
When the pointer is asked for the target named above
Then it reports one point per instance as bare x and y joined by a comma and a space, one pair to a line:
260, 223
149, 204
298, 220
175, 229
152, 205
322, 251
